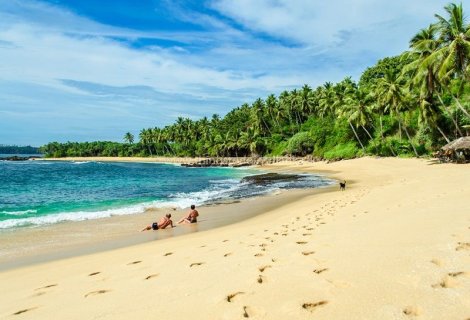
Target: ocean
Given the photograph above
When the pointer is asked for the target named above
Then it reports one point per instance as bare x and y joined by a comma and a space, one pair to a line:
35, 193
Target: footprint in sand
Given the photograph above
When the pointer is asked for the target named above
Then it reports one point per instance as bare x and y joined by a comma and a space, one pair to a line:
261, 269
446, 282
260, 279
134, 262
37, 294
306, 234
225, 241
23, 311
307, 253
47, 287
94, 273
196, 264
245, 312
311, 306
258, 255
233, 295
463, 246
437, 262
318, 271
168, 254
301, 242
412, 311
457, 274
93, 293
227, 254
151, 276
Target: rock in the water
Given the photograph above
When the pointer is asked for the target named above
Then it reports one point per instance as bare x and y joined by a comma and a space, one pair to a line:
267, 178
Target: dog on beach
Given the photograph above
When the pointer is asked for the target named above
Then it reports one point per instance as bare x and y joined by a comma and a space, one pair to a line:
342, 185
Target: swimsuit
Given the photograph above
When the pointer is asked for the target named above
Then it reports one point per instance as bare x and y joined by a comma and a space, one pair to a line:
155, 226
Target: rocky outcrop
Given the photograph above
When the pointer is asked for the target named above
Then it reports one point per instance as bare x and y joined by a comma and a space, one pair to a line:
269, 178
16, 158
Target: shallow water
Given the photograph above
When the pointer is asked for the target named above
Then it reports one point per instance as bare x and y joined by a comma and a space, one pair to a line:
44, 192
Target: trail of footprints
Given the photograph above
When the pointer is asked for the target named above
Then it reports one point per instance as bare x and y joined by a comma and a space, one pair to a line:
317, 221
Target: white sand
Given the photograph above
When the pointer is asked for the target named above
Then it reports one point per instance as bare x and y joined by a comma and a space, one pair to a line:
394, 245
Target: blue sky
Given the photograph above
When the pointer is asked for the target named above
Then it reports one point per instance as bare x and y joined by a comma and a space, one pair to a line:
82, 70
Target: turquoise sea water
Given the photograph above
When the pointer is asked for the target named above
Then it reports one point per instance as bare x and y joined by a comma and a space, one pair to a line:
45, 192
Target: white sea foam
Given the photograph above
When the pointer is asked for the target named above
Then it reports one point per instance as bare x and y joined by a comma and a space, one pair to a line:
18, 213
72, 216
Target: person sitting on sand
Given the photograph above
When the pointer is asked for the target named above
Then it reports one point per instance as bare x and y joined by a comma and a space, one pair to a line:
162, 224
191, 217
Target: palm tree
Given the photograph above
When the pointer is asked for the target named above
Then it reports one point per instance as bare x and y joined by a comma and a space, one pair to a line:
423, 69
272, 107
129, 138
306, 101
258, 115
145, 139
392, 97
358, 102
327, 100
454, 53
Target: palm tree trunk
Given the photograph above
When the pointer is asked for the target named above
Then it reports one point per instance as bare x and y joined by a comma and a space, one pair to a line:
450, 115
357, 137
367, 131
383, 138
409, 139
399, 129
381, 127
442, 133
461, 108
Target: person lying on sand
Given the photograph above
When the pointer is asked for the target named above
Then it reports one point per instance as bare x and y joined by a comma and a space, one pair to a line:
191, 217
162, 224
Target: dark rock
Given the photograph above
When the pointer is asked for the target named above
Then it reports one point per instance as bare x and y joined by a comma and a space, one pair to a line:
16, 158
267, 178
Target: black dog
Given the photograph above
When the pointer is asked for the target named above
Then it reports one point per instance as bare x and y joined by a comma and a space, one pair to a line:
342, 185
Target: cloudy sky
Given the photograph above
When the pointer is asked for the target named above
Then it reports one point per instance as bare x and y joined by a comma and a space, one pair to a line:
82, 70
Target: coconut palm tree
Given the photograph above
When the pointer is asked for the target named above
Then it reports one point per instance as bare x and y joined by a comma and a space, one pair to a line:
454, 52
423, 70
129, 138
272, 108
393, 97
327, 100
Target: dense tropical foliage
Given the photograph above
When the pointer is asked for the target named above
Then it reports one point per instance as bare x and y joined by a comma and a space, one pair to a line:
410, 104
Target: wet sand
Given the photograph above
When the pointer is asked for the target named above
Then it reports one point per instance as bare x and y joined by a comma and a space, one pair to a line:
39, 244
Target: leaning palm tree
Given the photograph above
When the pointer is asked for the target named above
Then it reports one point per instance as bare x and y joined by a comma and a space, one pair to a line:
455, 48
358, 102
423, 70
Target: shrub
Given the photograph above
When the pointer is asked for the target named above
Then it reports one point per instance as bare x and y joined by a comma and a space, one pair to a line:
342, 151
300, 144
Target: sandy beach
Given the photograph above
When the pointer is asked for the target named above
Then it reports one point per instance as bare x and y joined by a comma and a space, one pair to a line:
394, 245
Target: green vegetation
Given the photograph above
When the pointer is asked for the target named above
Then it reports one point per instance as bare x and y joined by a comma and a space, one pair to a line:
407, 105
18, 150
